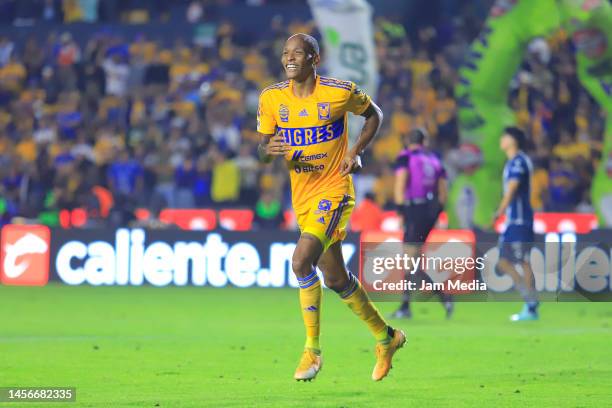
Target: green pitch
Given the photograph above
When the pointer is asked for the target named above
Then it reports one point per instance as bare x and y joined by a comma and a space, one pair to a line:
197, 347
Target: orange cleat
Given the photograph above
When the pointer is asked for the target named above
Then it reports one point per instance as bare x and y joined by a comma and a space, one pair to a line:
309, 367
384, 355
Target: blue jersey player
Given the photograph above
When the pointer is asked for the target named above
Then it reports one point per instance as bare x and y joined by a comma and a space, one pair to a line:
516, 239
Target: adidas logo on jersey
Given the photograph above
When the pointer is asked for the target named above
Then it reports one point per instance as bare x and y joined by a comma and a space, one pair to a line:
303, 113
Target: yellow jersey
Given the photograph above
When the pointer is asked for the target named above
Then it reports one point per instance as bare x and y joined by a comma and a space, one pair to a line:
316, 129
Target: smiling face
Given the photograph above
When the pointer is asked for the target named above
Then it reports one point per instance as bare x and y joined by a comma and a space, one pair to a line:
298, 59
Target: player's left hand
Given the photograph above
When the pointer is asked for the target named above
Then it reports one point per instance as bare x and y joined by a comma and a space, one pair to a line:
350, 164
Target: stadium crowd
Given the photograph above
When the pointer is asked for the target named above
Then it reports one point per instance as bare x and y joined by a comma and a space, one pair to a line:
119, 123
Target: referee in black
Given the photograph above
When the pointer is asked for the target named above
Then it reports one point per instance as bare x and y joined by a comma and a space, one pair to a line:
420, 193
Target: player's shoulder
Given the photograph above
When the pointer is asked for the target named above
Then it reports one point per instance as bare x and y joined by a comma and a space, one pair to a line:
525, 157
336, 84
403, 154
516, 160
521, 159
435, 157
279, 86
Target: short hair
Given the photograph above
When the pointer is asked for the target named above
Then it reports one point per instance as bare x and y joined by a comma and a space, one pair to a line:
310, 42
517, 134
417, 136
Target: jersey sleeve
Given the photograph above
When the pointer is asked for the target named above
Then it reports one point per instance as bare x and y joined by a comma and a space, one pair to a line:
266, 123
358, 101
442, 172
441, 169
518, 169
401, 162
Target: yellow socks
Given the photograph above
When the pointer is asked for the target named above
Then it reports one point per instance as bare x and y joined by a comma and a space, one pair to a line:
357, 300
353, 295
310, 303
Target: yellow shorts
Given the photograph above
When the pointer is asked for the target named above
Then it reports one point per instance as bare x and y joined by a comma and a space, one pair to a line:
327, 218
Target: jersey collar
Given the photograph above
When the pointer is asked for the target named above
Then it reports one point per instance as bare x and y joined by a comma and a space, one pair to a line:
314, 91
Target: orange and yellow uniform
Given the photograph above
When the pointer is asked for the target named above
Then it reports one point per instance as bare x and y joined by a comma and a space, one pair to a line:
316, 129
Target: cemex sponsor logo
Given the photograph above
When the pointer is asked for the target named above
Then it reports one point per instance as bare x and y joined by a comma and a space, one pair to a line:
133, 260
24, 255
298, 156
309, 168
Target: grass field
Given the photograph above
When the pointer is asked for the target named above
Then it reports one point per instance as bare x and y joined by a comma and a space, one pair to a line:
198, 347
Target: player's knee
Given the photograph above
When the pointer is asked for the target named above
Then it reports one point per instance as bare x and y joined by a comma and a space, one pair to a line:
301, 266
336, 283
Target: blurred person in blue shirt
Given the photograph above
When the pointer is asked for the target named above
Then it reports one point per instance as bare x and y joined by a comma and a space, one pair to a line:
563, 186
125, 176
185, 176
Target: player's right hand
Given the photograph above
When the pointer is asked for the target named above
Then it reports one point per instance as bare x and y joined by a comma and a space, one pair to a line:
491, 224
277, 146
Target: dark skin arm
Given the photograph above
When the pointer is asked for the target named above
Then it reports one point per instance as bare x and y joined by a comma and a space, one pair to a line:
399, 190
271, 146
351, 162
442, 191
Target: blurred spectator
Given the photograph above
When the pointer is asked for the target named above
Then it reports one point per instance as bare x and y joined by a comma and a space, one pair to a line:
159, 164
72, 11
51, 11
33, 59
185, 177
383, 187
268, 211
26, 148
6, 50
117, 72
68, 116
445, 110
125, 179
12, 75
203, 181
225, 186
249, 169
368, 215
539, 185
63, 159
563, 181
46, 132
195, 11
11, 183
224, 130
568, 149
89, 10
68, 52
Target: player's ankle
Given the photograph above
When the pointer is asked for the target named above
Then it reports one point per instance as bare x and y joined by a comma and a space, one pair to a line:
312, 343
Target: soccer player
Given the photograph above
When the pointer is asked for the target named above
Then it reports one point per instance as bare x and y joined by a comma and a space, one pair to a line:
304, 119
420, 193
514, 242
